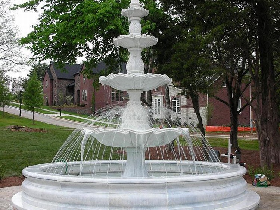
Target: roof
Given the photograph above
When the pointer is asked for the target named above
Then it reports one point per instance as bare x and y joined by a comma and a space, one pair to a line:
101, 66
48, 71
68, 71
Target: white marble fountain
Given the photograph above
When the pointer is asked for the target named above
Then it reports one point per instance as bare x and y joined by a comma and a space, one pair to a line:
80, 178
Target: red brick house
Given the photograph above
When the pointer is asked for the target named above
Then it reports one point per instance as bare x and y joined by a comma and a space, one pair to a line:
68, 86
71, 87
58, 85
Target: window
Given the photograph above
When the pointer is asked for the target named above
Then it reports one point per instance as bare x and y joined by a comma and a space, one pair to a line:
176, 105
117, 95
157, 104
47, 83
84, 95
239, 105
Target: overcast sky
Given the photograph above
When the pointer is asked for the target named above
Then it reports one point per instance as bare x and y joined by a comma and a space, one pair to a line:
24, 21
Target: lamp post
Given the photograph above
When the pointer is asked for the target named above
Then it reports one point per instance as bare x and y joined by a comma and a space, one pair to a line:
20, 102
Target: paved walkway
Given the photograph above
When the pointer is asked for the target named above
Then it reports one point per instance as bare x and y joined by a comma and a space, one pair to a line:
269, 197
46, 118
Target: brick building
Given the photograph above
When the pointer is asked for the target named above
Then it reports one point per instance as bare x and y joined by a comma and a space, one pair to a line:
58, 84
69, 86
219, 113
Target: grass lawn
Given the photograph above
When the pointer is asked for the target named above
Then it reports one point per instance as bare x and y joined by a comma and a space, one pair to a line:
73, 118
243, 144
20, 149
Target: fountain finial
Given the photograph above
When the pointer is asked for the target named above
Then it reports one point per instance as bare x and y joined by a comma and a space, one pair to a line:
134, 3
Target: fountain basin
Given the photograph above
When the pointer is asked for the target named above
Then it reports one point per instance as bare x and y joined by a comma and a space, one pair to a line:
143, 82
210, 190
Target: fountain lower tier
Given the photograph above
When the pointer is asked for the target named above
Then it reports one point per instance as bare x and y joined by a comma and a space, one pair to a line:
133, 139
135, 143
142, 82
218, 190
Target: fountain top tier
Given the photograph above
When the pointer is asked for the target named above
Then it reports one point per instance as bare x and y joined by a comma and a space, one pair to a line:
135, 42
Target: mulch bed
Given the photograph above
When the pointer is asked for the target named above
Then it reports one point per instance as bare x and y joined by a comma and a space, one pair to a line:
11, 181
25, 129
251, 158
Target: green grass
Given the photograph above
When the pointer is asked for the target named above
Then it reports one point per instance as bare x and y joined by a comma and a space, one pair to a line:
243, 144
73, 118
20, 149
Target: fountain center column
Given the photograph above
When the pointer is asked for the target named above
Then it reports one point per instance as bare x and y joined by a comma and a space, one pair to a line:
135, 116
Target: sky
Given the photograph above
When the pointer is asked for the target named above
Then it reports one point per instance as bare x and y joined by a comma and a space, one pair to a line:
24, 21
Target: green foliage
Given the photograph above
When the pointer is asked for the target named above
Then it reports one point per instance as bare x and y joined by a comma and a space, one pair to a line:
243, 144
268, 172
5, 95
70, 29
40, 69
33, 96
73, 118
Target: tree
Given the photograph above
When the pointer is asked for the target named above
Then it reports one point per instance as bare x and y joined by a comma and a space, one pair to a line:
190, 68
5, 95
254, 25
71, 29
40, 69
231, 42
33, 96
267, 17
10, 54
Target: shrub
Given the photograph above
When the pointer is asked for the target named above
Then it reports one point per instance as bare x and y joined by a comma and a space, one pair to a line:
268, 172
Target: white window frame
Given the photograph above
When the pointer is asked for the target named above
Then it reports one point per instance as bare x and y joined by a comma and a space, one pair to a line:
177, 107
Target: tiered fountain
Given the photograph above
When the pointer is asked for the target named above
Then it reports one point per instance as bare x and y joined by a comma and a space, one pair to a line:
79, 178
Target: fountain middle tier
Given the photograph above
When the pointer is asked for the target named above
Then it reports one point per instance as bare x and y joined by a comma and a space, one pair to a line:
142, 82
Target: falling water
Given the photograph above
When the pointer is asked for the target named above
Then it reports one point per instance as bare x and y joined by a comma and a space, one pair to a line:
83, 155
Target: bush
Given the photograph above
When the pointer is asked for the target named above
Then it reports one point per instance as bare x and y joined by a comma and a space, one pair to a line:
268, 172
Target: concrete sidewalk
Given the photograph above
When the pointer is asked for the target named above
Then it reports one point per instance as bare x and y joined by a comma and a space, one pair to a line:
270, 197
49, 119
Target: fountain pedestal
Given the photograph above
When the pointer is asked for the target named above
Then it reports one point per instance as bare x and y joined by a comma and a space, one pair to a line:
135, 164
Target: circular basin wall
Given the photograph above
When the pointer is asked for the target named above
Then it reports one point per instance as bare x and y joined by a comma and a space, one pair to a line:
210, 190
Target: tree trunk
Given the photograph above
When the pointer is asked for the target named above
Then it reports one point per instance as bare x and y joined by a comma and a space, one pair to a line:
233, 129
195, 101
167, 97
268, 125
33, 118
149, 98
